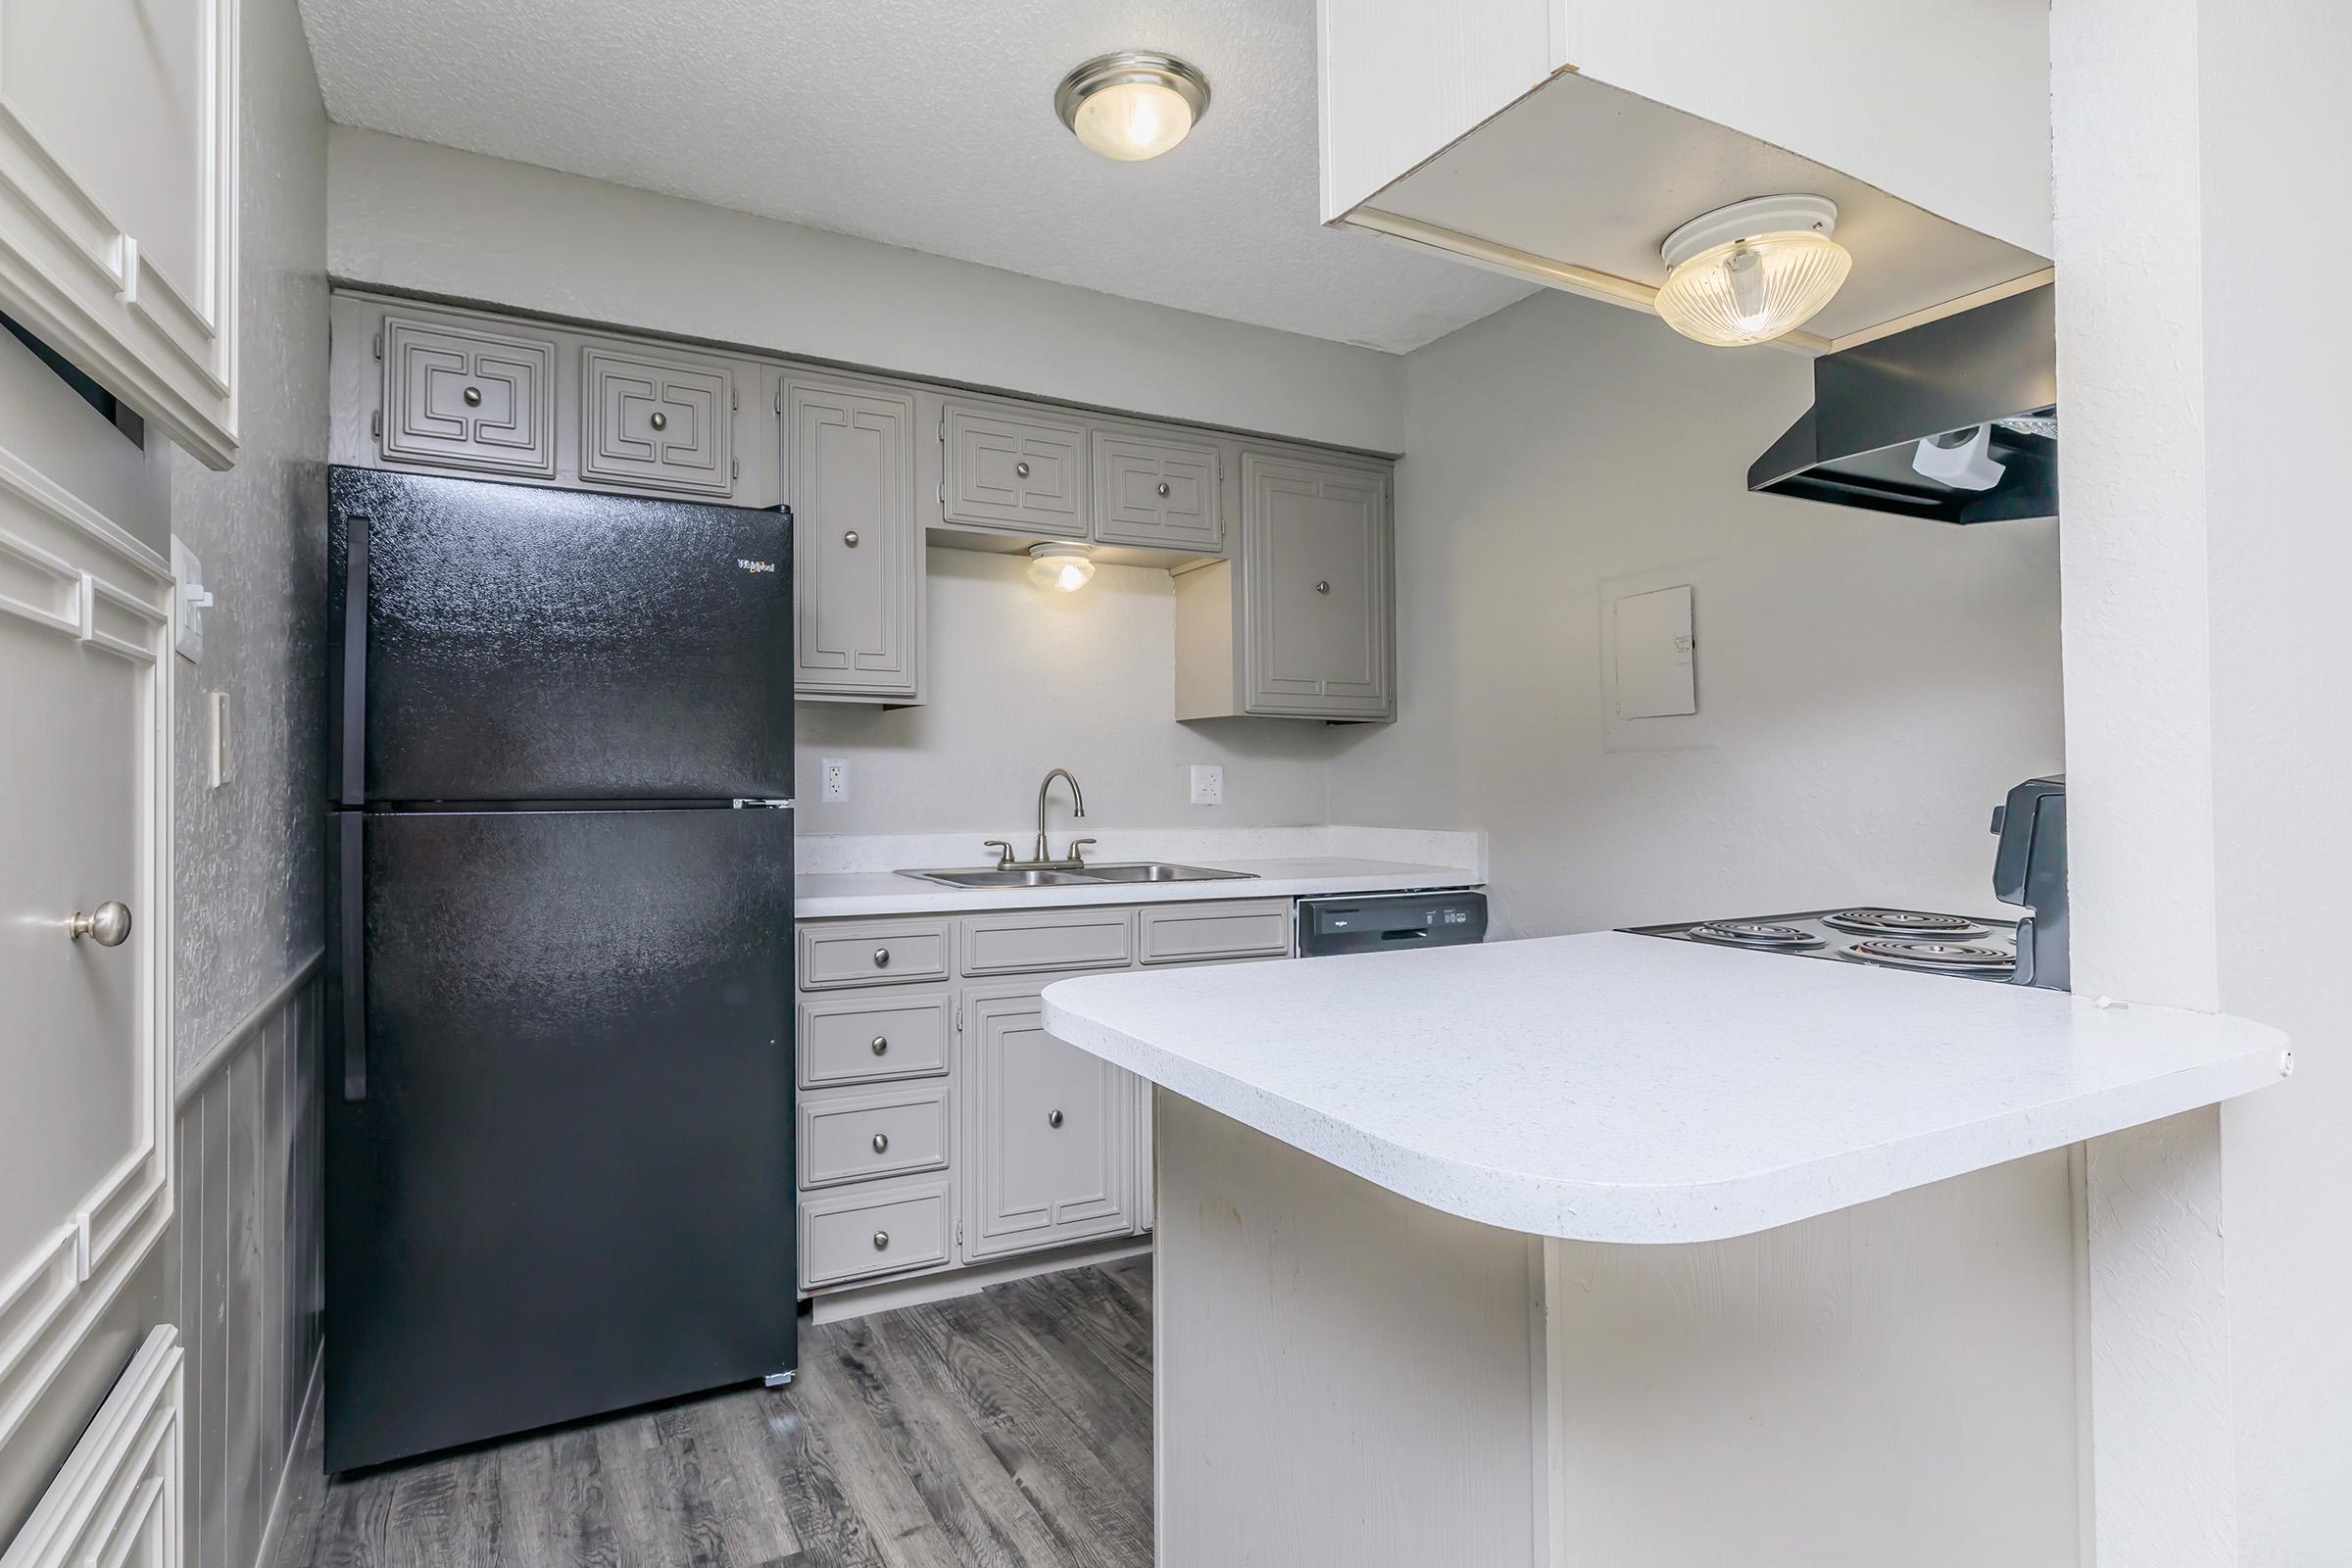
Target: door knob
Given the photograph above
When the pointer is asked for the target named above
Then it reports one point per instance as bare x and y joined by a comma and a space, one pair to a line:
1053, 1118
850, 538
1021, 469
108, 927
1322, 587
659, 420
881, 957
1161, 488
881, 1240
881, 1142
881, 1044
473, 397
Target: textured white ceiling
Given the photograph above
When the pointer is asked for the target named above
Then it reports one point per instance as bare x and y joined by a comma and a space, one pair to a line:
927, 123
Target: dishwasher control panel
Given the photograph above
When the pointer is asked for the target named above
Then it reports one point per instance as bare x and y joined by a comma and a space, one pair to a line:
1390, 923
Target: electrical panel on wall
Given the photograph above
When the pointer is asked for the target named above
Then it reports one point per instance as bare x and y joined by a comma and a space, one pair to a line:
1649, 696
1656, 664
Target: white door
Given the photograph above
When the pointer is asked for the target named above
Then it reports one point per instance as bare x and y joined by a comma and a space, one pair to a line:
85, 666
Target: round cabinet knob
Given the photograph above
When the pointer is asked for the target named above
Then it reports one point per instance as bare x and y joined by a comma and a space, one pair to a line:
473, 397
1053, 1118
881, 1142
1322, 587
881, 957
881, 1240
881, 1044
1161, 488
850, 538
108, 927
1021, 469
661, 421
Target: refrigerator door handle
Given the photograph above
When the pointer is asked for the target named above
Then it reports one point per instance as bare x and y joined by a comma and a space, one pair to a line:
353, 931
355, 663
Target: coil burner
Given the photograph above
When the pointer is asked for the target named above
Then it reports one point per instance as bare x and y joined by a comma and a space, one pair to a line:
1754, 934
1943, 957
1870, 922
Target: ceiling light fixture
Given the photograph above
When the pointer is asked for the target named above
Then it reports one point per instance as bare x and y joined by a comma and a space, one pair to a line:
1063, 568
1751, 272
1132, 104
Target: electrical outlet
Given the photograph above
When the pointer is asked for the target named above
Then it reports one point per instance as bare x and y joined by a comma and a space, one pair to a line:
1208, 784
221, 769
836, 778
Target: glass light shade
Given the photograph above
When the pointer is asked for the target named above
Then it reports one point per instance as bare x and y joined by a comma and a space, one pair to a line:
1133, 121
1132, 104
1755, 288
1064, 569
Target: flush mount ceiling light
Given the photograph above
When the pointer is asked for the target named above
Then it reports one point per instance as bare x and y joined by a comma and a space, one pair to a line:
1132, 104
1753, 270
1065, 568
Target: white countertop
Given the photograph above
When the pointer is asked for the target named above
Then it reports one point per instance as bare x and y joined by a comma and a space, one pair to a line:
819, 896
1615, 1088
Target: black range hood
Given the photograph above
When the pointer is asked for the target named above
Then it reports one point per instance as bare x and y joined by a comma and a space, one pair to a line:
1980, 390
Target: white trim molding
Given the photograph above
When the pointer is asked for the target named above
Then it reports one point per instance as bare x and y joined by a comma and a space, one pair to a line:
69, 570
74, 274
117, 1502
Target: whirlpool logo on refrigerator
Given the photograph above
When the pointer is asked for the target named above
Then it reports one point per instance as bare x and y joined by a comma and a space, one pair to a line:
746, 563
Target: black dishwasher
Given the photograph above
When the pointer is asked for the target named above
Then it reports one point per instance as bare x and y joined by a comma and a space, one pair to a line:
1389, 922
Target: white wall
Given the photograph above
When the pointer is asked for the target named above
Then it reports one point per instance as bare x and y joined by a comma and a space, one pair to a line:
1875, 685
1023, 681
407, 214
2280, 555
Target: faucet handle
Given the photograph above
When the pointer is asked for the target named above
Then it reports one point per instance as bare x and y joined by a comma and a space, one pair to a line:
1003, 851
1076, 845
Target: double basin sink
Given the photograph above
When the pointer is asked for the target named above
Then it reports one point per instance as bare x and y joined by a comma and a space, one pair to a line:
1091, 876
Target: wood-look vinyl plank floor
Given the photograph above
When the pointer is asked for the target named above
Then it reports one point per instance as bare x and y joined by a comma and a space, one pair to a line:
1007, 1430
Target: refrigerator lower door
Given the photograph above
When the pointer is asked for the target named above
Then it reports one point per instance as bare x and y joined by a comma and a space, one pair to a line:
500, 642
559, 1117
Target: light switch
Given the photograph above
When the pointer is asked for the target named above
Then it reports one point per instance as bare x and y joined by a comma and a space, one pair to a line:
222, 771
1655, 656
187, 579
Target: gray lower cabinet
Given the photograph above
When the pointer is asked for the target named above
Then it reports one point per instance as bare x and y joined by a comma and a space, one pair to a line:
1012, 472
1157, 493
849, 1233
857, 546
658, 420
458, 397
1048, 1131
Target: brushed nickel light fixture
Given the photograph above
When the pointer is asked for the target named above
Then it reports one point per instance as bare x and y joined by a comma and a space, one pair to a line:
1132, 104
1751, 272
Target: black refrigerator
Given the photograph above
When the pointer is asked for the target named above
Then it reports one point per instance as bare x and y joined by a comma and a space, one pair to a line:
559, 1071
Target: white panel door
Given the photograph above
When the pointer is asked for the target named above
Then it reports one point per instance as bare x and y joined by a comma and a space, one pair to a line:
85, 663
119, 199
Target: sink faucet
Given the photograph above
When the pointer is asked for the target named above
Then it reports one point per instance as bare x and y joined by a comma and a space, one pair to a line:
1044, 857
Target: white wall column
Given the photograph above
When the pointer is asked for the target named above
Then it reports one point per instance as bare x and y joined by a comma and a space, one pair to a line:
2208, 660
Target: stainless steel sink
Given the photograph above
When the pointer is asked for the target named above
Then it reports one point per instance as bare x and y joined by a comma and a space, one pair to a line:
1092, 876
993, 878
1162, 871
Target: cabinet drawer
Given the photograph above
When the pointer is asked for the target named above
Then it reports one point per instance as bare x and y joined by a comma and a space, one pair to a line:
460, 398
880, 954
882, 1229
1203, 933
874, 1036
1022, 475
1161, 494
847, 1138
656, 422
1048, 939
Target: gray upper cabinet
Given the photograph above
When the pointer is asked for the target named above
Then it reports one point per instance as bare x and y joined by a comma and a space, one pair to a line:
657, 421
1013, 472
1317, 588
1049, 1144
1156, 493
857, 546
460, 397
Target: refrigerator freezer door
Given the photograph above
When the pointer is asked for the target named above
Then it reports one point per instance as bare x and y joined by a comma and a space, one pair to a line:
498, 642
563, 1184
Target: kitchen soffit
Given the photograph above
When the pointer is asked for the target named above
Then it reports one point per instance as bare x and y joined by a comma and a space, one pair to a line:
918, 125
1639, 169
